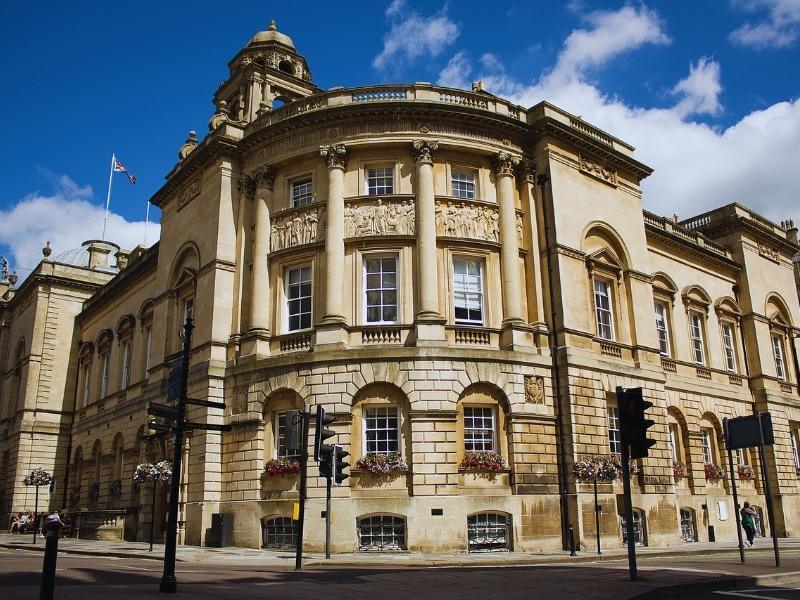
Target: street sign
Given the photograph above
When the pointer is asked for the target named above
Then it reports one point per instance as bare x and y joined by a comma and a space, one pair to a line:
174, 381
207, 426
746, 432
159, 427
208, 403
162, 410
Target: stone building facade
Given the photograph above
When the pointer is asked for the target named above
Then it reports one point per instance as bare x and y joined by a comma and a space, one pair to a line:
446, 272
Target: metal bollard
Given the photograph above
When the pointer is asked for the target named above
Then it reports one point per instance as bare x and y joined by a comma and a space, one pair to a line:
49, 564
572, 542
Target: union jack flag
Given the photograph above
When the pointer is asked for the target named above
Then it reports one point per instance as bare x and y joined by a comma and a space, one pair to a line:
120, 168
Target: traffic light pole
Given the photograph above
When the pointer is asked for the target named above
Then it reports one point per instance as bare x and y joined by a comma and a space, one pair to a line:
328, 511
770, 512
626, 489
733, 488
298, 560
169, 585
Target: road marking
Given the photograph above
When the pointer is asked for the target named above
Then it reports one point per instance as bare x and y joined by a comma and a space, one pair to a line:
746, 595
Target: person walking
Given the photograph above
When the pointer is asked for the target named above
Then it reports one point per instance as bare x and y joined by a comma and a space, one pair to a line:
749, 523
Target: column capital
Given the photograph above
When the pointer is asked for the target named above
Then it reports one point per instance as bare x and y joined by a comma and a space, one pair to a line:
263, 176
504, 163
335, 155
526, 171
424, 151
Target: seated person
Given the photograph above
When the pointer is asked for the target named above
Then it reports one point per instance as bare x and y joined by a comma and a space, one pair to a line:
14, 527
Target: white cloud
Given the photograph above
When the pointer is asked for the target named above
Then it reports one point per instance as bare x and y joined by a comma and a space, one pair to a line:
611, 33
780, 29
66, 218
456, 72
413, 36
700, 90
697, 167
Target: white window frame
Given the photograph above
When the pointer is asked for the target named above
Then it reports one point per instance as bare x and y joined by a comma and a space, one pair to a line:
382, 173
697, 337
600, 311
148, 336
614, 434
463, 290
104, 360
460, 176
381, 290
794, 434
673, 441
487, 412
367, 416
280, 435
729, 347
662, 327
126, 364
741, 457
707, 445
188, 309
301, 191
779, 356
87, 373
288, 299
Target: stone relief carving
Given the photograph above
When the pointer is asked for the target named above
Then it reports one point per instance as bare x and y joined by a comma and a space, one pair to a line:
768, 253
598, 170
189, 193
298, 228
385, 217
505, 163
467, 220
534, 389
335, 156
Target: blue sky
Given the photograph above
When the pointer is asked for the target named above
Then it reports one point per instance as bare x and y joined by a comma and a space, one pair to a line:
706, 90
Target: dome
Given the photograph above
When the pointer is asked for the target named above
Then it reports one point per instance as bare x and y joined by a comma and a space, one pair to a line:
272, 35
79, 257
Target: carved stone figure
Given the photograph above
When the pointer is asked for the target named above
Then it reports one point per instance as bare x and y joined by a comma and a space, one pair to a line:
467, 220
534, 389
598, 171
384, 217
297, 228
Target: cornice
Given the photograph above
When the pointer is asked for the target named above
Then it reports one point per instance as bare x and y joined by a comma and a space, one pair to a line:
211, 148
703, 253
122, 281
548, 126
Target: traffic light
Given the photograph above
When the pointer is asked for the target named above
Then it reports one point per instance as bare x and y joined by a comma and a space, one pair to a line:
633, 425
321, 434
339, 454
326, 461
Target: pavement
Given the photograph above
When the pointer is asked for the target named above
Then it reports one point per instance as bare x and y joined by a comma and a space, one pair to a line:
666, 572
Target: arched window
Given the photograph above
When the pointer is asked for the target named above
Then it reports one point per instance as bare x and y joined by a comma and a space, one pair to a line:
278, 533
688, 525
489, 532
639, 528
104, 341
482, 412
97, 457
125, 329
286, 66
696, 302
381, 532
146, 322
276, 413
380, 423
664, 290
779, 329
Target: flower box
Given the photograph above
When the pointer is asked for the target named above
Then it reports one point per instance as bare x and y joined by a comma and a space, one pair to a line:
714, 473
382, 464
276, 467
746, 473
487, 462
679, 470
601, 469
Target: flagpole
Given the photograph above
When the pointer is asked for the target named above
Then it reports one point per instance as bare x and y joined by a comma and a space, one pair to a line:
146, 221
108, 196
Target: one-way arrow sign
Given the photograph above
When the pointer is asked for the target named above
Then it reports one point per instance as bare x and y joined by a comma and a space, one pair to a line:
159, 427
162, 410
207, 403
207, 426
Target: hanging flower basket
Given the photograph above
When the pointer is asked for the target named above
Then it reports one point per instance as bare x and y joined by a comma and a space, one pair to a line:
616, 460
275, 467
679, 469
746, 472
382, 464
595, 468
115, 489
94, 492
161, 471
490, 462
713, 472
38, 477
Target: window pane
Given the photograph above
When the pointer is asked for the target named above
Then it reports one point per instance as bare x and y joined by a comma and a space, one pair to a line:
463, 184
280, 438
381, 289
468, 291
381, 429
661, 328
298, 293
602, 302
380, 180
614, 439
479, 430
302, 192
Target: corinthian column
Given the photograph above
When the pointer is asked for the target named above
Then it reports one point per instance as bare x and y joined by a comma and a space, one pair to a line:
263, 180
429, 321
336, 158
504, 165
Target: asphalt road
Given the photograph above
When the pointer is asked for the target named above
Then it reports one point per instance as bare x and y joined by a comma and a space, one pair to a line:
91, 577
